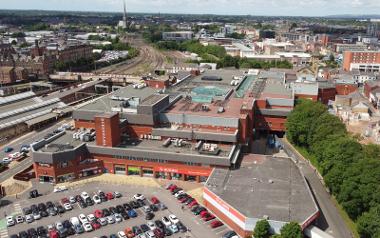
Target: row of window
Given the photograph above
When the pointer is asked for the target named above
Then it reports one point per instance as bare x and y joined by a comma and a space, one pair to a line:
140, 159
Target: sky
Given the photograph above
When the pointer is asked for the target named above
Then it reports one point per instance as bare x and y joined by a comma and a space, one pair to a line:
228, 7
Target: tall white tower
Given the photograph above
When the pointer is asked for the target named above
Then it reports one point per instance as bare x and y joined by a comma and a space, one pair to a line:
123, 23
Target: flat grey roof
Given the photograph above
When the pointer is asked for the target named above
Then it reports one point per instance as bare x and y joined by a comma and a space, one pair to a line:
62, 142
265, 186
105, 103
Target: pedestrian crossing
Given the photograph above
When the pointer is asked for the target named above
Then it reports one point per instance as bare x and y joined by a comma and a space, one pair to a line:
3, 233
17, 208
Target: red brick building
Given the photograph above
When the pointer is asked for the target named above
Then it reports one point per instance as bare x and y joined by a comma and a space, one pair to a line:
367, 61
140, 132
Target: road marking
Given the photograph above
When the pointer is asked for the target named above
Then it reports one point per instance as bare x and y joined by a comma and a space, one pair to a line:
4, 233
17, 208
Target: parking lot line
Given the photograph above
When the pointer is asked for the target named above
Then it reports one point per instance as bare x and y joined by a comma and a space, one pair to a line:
17, 208
3, 233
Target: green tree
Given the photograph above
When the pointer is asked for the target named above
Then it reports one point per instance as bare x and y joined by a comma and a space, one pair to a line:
300, 120
369, 223
262, 229
291, 230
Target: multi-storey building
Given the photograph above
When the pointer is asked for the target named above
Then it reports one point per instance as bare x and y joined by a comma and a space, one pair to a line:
367, 61
203, 123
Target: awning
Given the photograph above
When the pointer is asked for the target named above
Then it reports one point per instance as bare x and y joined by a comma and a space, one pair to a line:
41, 119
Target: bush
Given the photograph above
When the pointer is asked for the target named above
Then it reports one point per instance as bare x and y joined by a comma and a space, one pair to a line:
291, 230
262, 229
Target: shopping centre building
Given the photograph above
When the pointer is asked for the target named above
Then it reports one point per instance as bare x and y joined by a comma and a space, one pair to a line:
205, 121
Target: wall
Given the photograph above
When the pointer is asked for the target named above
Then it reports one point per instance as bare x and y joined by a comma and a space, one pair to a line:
345, 89
326, 94
84, 124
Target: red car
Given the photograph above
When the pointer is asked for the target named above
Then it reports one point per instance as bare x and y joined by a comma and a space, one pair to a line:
65, 200
172, 188
184, 199
204, 214
192, 204
209, 217
98, 213
95, 225
216, 224
154, 200
159, 233
53, 234
109, 196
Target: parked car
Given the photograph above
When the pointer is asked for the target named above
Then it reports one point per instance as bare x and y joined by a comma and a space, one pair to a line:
68, 206
154, 200
10, 221
98, 213
173, 228
121, 234
216, 224
8, 149
139, 197
158, 233
230, 234
117, 194
173, 219
103, 221
166, 221
19, 219
149, 216
109, 196
132, 213
87, 227
96, 199
181, 227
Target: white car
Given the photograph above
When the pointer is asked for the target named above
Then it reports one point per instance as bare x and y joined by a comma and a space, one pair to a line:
118, 217
151, 225
173, 219
96, 199
121, 234
91, 217
58, 225
15, 155
102, 221
67, 206
82, 218
87, 227
72, 199
110, 220
166, 221
150, 234
29, 218
138, 197
36, 216
10, 221
7, 160
19, 219
74, 221
84, 195
179, 193
59, 189
142, 235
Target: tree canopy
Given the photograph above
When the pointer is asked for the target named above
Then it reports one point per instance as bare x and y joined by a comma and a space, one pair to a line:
351, 170
291, 230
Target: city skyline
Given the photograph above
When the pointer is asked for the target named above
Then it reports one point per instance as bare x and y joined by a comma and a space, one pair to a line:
223, 7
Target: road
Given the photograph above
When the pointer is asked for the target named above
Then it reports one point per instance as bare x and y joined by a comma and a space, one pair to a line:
17, 143
330, 220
